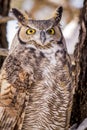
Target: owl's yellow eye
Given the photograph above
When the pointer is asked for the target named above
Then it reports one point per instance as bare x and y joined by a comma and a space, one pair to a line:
51, 31
30, 31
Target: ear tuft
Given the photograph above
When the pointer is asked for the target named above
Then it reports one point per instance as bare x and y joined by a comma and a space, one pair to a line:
18, 15
58, 14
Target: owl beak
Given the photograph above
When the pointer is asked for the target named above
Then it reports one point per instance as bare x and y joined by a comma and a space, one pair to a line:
42, 37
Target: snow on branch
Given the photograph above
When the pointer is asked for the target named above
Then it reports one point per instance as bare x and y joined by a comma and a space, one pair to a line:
82, 126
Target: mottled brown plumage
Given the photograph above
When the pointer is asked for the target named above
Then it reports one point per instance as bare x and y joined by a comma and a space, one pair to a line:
36, 83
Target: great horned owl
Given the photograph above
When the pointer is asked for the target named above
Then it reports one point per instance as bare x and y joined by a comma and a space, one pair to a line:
36, 84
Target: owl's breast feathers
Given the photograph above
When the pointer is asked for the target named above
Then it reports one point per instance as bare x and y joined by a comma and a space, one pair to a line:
38, 86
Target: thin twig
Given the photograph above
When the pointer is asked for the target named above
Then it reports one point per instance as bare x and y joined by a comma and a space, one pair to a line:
3, 52
5, 19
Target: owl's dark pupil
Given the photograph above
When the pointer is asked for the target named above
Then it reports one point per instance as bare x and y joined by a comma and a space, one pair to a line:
31, 31
50, 31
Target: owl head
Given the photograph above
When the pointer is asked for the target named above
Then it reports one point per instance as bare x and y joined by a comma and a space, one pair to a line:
41, 33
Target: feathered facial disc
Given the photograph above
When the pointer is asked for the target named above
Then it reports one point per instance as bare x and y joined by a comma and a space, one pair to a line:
40, 32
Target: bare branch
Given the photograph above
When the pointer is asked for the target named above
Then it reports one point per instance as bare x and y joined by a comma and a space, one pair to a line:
5, 19
3, 52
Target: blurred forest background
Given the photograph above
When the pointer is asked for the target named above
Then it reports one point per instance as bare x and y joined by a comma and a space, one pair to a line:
74, 27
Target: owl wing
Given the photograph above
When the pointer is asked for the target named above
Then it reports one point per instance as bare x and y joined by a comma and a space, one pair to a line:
12, 102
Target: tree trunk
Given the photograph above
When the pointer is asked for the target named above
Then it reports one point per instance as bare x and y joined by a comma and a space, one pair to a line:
4, 9
79, 110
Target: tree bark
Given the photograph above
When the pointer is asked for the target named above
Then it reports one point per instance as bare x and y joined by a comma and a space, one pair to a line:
79, 110
4, 9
